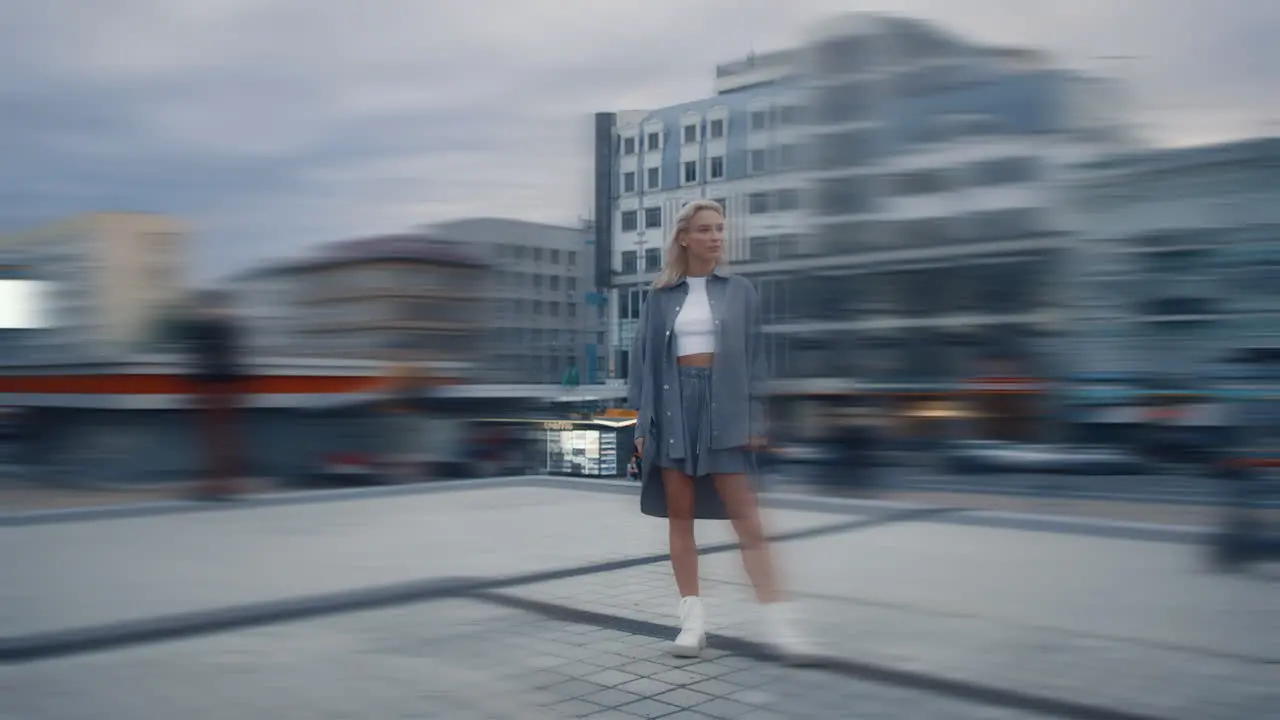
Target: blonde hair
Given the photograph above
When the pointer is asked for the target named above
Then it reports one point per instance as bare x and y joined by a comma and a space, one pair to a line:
676, 262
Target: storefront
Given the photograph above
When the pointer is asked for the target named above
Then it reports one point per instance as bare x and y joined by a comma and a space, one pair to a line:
588, 448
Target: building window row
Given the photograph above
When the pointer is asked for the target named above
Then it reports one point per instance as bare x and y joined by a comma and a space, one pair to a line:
630, 220
509, 280
524, 253
760, 160
631, 261
692, 133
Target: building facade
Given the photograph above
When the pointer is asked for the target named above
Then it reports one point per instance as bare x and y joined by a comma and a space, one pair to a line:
1183, 267
896, 193
109, 278
397, 298
547, 318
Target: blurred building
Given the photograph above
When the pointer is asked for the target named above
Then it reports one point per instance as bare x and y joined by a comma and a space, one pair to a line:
546, 316
109, 278
410, 297
896, 193
267, 301
1182, 260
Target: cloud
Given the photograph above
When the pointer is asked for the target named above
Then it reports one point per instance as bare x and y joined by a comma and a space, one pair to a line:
274, 124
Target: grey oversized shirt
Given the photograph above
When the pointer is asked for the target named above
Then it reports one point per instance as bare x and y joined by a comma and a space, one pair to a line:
738, 370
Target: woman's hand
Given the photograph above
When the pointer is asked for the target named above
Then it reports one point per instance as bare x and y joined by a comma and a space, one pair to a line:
640, 445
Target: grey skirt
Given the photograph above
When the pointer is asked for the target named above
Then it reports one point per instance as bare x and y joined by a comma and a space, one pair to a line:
700, 460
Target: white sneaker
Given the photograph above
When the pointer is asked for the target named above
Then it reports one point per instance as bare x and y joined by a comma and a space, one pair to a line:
693, 628
782, 633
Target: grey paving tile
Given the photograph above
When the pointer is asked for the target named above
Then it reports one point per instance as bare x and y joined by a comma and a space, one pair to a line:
574, 709
612, 715
725, 708
754, 697
666, 658
645, 652
711, 668
765, 714
539, 679
679, 676
608, 660
576, 669
687, 715
610, 678
739, 662
718, 688
574, 688
683, 697
649, 709
613, 697
643, 668
541, 661
571, 652
646, 687
636, 640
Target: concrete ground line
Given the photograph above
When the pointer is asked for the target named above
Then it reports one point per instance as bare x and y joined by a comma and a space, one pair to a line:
76, 641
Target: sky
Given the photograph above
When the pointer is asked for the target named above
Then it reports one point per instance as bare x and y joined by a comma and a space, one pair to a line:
271, 125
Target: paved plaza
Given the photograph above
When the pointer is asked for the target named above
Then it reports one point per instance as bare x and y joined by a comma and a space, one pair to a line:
553, 599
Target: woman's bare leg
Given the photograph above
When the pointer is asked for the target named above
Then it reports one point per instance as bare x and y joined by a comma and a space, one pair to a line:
684, 546
740, 500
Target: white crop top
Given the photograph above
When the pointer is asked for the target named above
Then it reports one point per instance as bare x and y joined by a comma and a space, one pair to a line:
695, 326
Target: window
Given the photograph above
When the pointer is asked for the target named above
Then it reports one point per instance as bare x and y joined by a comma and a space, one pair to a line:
537, 281
788, 156
788, 199
690, 134
653, 179
655, 141
759, 161
629, 181
629, 220
571, 284
716, 171
845, 196
758, 203
846, 149
573, 258
652, 259
722, 202
924, 182
629, 262
555, 257
789, 115
716, 128
572, 309
537, 307
761, 248
759, 119
554, 280
537, 254
629, 146
652, 218
554, 307
691, 171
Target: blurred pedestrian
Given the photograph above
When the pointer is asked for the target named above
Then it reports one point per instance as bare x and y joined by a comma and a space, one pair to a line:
697, 371
214, 347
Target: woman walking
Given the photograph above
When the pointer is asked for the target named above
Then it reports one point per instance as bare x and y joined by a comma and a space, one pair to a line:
697, 368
